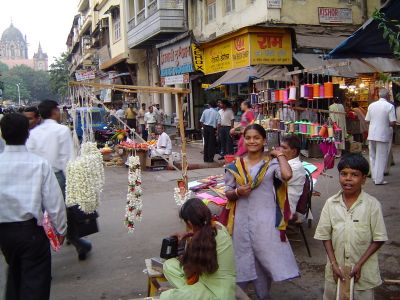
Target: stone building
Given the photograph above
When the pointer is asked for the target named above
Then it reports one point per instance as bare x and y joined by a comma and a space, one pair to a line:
14, 51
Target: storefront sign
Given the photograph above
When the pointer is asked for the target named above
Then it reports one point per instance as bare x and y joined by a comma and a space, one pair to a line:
274, 3
261, 46
271, 48
82, 75
176, 59
177, 79
331, 15
198, 58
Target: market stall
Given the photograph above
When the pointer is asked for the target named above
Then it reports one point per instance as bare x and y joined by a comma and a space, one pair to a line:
87, 171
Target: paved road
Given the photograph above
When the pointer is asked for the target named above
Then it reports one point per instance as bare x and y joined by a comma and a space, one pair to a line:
115, 268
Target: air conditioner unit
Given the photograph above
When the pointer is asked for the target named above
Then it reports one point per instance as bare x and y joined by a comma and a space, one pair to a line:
104, 23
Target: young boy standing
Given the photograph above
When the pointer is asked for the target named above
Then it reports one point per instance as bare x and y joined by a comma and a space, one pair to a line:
352, 229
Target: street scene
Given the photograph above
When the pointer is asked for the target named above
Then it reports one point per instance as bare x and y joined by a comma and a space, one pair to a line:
218, 149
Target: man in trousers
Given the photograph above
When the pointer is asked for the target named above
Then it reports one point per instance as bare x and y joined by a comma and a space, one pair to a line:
381, 118
28, 187
210, 120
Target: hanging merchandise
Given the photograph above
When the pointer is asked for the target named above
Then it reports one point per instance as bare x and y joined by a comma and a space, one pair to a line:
323, 132
328, 87
285, 96
330, 131
134, 201
85, 179
308, 91
316, 91
292, 93
321, 91
302, 91
277, 95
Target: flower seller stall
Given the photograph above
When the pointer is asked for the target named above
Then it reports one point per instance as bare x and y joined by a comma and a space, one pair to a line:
85, 176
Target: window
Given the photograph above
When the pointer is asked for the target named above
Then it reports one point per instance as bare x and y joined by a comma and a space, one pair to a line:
229, 5
211, 10
117, 30
116, 20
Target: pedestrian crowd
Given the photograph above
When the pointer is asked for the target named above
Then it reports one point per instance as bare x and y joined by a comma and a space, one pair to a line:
246, 245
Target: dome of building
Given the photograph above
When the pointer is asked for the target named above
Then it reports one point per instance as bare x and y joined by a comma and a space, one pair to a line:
12, 34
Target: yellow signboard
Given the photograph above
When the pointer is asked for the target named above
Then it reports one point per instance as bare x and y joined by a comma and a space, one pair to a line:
271, 48
255, 47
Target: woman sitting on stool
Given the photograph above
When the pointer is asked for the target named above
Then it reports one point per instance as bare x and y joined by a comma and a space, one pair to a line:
207, 269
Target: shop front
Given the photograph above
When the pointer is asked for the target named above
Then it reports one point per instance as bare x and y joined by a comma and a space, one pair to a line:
231, 62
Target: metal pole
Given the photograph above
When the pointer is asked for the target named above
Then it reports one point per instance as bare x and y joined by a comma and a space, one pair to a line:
19, 95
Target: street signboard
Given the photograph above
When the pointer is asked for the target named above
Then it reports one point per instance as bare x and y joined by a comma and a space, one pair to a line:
176, 59
333, 15
177, 79
274, 3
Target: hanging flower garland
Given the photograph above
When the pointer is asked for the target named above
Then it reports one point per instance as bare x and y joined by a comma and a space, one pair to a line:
181, 197
85, 179
134, 201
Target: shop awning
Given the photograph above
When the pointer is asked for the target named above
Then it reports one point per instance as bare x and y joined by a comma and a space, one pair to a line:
241, 75
368, 40
357, 65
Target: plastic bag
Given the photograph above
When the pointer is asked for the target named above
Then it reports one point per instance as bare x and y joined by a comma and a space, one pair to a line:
50, 232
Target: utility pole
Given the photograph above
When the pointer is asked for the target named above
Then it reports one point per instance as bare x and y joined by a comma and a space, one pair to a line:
19, 95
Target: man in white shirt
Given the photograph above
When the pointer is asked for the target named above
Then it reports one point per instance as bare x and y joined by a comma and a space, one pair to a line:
227, 119
28, 187
381, 118
142, 123
151, 120
53, 142
164, 145
291, 146
120, 113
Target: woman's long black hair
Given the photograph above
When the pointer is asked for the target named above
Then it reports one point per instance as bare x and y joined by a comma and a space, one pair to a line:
201, 253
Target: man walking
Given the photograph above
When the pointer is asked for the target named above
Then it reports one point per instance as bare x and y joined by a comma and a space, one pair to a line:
27, 187
209, 122
227, 121
130, 116
381, 118
32, 113
151, 120
53, 142
142, 123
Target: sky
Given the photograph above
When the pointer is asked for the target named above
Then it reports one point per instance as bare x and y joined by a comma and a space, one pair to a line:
44, 21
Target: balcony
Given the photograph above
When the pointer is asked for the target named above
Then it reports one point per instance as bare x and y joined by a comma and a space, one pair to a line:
86, 23
158, 21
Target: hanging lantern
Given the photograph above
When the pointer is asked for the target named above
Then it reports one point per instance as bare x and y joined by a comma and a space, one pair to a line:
328, 86
292, 93
302, 91
316, 90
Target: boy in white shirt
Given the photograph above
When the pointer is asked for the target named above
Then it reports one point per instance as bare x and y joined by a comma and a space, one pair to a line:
352, 229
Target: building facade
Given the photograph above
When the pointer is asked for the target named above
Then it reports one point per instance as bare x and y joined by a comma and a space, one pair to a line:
152, 42
14, 51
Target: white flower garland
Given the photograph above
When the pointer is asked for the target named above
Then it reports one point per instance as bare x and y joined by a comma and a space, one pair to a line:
134, 203
85, 179
179, 198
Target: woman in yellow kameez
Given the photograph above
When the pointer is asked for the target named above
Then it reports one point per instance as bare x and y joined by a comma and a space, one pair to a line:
206, 271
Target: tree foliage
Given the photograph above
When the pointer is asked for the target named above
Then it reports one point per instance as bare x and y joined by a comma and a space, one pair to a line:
59, 75
391, 31
34, 85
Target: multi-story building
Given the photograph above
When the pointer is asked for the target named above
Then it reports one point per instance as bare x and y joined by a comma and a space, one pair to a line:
235, 34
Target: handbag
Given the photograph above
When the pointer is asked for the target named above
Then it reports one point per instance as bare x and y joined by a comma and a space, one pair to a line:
81, 224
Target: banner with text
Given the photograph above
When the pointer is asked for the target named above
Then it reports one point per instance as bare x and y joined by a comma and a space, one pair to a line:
264, 46
176, 59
